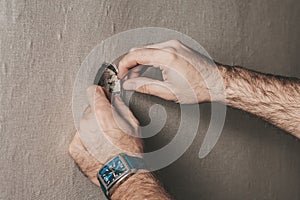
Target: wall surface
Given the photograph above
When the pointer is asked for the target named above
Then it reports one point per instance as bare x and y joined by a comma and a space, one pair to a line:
43, 43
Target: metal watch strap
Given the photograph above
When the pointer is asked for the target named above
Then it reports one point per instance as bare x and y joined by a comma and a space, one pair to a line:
135, 162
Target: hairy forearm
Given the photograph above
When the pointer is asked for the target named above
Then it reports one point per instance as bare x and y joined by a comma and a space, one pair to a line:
140, 186
273, 98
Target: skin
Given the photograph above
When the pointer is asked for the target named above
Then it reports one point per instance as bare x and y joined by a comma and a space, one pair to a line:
188, 77
273, 98
117, 131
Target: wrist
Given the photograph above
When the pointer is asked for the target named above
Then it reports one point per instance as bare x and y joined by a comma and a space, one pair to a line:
141, 185
121, 189
239, 85
220, 86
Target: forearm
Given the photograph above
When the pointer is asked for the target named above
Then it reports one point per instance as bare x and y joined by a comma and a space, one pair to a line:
274, 98
140, 186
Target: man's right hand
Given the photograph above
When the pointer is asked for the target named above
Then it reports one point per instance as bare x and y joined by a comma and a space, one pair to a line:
188, 77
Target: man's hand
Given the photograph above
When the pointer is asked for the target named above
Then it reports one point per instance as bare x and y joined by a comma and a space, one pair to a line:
104, 132
87, 163
188, 77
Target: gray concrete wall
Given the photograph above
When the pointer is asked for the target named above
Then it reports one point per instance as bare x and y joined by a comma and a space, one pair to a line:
43, 43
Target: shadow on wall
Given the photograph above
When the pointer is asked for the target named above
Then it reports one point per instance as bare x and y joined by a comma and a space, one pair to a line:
252, 159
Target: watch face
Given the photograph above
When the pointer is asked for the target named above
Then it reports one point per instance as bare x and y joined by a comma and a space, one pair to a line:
112, 171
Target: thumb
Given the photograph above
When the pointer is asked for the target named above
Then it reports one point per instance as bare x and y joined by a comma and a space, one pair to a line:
150, 86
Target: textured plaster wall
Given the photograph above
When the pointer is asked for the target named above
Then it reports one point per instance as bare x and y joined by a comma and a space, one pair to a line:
43, 43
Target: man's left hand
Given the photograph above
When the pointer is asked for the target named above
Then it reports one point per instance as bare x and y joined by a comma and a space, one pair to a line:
104, 132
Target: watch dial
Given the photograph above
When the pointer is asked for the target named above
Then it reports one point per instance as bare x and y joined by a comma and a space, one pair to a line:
112, 171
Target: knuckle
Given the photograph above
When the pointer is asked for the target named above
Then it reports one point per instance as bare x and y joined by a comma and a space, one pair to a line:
133, 49
124, 59
176, 43
172, 56
121, 62
72, 150
151, 52
137, 54
170, 49
144, 89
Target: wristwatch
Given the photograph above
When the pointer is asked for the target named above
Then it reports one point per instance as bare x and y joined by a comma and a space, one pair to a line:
117, 169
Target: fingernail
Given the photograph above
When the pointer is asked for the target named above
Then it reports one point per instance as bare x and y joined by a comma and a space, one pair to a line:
127, 85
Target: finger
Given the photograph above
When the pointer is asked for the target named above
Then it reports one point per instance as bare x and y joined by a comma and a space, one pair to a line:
149, 86
155, 57
160, 45
136, 48
100, 104
137, 71
142, 47
96, 94
105, 115
124, 111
